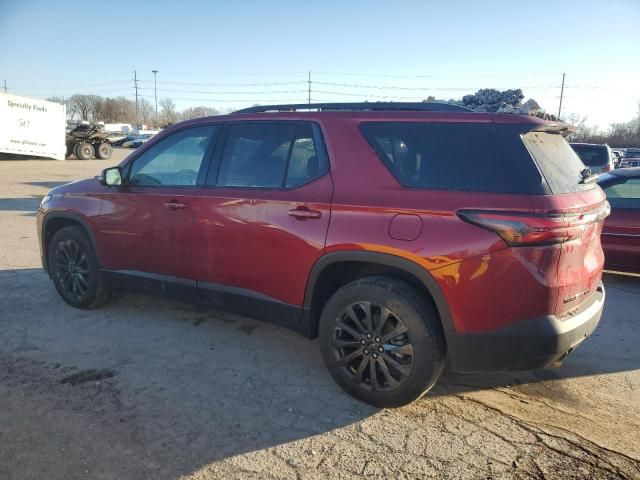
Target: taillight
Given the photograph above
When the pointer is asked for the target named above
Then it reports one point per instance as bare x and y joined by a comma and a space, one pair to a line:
606, 169
518, 228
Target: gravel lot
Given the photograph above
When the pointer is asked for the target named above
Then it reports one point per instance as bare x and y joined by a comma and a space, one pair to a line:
148, 388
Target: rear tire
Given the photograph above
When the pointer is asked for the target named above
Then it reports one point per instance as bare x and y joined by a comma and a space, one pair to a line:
73, 267
385, 326
104, 151
84, 151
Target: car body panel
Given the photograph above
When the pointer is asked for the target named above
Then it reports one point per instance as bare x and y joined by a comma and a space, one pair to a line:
246, 238
621, 232
621, 240
242, 243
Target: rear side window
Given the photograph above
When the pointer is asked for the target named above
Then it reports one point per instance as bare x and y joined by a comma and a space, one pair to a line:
592, 155
464, 157
270, 155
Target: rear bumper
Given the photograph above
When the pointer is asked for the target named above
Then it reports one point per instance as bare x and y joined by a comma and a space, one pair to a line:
525, 345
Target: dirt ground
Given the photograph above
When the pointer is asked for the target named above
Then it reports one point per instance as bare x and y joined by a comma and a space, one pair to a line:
149, 389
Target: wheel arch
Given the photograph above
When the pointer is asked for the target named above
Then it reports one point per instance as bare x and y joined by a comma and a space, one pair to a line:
55, 221
358, 263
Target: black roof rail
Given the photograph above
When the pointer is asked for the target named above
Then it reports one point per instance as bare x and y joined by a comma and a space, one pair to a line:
364, 106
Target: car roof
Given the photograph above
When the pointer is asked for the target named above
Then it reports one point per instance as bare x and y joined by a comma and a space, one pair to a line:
328, 116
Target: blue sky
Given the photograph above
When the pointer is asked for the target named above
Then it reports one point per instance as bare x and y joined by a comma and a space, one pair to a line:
234, 54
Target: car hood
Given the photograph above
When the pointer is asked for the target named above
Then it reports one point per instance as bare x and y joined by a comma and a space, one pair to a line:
88, 185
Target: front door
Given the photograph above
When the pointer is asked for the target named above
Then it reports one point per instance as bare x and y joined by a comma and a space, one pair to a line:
145, 226
263, 222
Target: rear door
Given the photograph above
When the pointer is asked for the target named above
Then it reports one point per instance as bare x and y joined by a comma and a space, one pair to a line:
263, 221
621, 233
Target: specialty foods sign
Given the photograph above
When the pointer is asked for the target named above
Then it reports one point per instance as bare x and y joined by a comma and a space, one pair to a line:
32, 127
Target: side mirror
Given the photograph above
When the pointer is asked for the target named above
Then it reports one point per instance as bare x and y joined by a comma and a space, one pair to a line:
111, 176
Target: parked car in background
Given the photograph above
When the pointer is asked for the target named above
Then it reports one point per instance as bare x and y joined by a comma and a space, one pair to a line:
631, 158
621, 232
114, 138
618, 155
597, 157
136, 141
342, 224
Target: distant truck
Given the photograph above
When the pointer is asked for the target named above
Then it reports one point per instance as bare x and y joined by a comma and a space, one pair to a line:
122, 128
33, 127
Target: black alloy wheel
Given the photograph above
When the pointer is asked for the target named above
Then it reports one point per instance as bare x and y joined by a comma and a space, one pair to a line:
382, 341
371, 344
72, 269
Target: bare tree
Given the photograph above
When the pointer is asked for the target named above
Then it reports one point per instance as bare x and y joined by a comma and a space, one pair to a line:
71, 108
81, 104
96, 106
146, 110
168, 111
198, 112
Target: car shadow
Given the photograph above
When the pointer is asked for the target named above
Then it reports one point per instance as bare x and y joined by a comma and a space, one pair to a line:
26, 204
192, 386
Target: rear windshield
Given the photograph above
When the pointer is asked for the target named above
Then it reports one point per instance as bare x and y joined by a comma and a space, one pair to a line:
592, 155
494, 158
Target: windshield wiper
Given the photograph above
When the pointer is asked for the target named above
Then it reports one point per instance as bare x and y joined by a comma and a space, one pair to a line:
587, 176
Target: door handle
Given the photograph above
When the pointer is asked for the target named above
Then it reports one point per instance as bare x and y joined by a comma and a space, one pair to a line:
303, 213
175, 205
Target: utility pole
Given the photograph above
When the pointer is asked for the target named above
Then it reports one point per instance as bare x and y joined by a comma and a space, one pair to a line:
135, 82
561, 95
309, 90
5, 86
155, 94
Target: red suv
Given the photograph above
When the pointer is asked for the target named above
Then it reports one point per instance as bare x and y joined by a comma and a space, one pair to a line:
404, 236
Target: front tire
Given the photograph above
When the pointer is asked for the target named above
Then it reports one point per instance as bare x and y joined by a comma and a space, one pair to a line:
73, 266
382, 341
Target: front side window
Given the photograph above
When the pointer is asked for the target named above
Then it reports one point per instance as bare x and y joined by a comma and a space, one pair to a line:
624, 195
175, 160
269, 155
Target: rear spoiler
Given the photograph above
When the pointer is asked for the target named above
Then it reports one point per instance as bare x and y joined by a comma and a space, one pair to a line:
562, 128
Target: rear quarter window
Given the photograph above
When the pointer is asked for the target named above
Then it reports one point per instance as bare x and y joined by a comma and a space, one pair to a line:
491, 158
453, 156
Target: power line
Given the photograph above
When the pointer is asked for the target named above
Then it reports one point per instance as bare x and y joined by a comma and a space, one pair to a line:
249, 100
561, 94
395, 87
135, 82
261, 84
390, 75
226, 92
